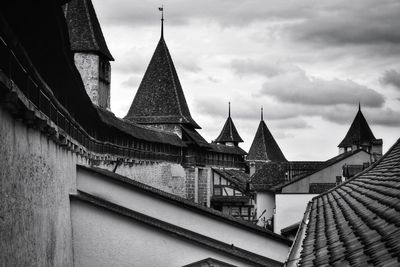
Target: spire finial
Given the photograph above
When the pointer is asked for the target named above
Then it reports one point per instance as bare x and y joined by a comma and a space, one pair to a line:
262, 113
359, 106
162, 20
229, 109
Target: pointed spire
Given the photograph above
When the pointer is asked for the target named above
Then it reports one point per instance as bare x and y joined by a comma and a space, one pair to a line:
162, 20
359, 131
85, 33
229, 132
359, 106
262, 113
160, 98
264, 147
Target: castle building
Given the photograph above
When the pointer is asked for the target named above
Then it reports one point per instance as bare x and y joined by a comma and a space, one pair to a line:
360, 136
63, 199
264, 148
91, 54
283, 187
229, 136
158, 109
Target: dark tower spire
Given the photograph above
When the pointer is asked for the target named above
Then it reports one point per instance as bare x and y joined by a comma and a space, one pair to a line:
262, 113
162, 20
359, 106
229, 134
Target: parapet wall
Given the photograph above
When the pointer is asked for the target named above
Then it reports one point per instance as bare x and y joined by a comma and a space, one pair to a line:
36, 177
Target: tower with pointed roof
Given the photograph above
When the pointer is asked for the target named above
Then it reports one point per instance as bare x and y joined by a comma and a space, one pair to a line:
91, 54
229, 135
159, 102
264, 148
360, 136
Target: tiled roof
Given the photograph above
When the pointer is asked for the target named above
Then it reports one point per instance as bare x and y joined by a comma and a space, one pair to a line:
227, 149
237, 177
290, 229
358, 222
269, 175
326, 164
84, 29
358, 133
229, 133
195, 137
160, 97
272, 174
264, 146
138, 131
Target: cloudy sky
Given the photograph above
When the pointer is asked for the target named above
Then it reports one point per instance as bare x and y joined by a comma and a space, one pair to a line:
308, 63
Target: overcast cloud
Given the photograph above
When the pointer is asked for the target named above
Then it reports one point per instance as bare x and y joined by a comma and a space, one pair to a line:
307, 62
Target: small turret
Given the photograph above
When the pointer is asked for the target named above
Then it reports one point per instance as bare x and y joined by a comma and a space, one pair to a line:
360, 136
91, 54
229, 135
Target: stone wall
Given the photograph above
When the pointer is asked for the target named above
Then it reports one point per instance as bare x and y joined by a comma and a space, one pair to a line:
36, 177
166, 176
95, 73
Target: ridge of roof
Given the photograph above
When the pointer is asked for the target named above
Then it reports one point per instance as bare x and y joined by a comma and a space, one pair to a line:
139, 131
160, 98
176, 230
195, 136
264, 146
227, 149
239, 178
85, 33
185, 203
229, 133
328, 163
367, 208
359, 132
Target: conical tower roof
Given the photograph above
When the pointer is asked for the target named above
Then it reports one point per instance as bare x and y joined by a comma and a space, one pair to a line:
84, 28
264, 146
229, 132
359, 132
160, 98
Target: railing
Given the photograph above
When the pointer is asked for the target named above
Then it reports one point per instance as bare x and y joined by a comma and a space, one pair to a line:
20, 72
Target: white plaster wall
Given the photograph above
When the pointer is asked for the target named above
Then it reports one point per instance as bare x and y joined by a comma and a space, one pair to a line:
290, 209
36, 177
327, 175
265, 201
195, 221
103, 238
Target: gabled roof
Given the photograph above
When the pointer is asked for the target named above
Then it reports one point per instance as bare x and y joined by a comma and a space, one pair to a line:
326, 164
235, 150
358, 133
191, 134
84, 28
264, 146
176, 231
185, 203
237, 177
269, 175
160, 97
356, 223
229, 132
139, 131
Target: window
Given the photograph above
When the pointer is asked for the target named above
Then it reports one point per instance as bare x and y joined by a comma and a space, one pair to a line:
235, 211
217, 191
